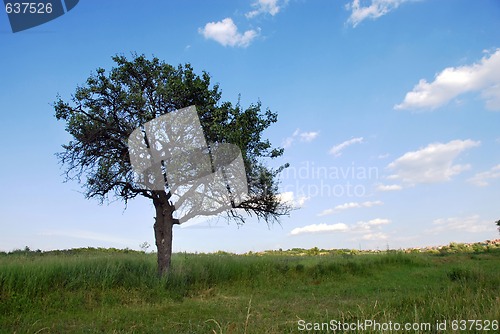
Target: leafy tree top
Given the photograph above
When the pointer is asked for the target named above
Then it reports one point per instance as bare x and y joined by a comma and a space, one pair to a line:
103, 113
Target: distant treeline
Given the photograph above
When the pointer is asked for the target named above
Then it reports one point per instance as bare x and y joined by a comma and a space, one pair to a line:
453, 247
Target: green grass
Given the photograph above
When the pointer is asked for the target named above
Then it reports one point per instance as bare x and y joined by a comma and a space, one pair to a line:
110, 291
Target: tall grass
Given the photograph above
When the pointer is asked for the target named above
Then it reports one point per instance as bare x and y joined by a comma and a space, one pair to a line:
38, 277
42, 289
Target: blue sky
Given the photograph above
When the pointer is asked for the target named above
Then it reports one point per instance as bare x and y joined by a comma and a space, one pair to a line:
388, 110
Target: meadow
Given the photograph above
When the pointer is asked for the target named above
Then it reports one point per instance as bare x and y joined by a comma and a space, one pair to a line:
311, 291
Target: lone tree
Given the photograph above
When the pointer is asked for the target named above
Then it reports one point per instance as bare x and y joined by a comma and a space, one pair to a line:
104, 112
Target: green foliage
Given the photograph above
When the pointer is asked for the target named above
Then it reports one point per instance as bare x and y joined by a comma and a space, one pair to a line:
110, 105
479, 247
313, 251
462, 274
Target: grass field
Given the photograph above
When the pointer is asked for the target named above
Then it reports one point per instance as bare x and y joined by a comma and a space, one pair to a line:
111, 291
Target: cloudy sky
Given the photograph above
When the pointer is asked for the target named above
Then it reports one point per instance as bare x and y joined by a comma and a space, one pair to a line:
389, 113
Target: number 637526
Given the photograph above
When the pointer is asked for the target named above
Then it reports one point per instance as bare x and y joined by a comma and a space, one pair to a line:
28, 8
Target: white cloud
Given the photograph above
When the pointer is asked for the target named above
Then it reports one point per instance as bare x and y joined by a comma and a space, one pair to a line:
226, 33
375, 236
369, 229
306, 137
376, 222
383, 156
481, 179
483, 77
337, 149
470, 224
271, 7
370, 204
290, 198
350, 205
492, 96
374, 10
287, 142
319, 228
431, 164
361, 226
389, 187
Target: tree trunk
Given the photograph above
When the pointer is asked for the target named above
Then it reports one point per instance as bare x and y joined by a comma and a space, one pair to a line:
163, 227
